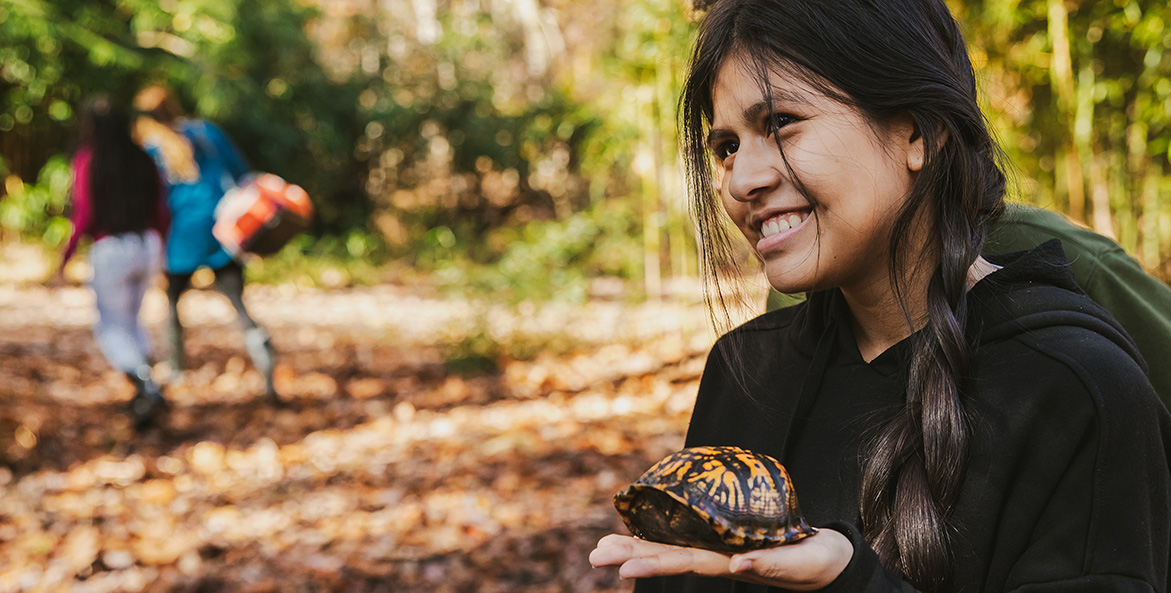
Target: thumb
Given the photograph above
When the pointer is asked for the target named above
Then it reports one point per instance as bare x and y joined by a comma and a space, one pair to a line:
771, 568
768, 563
741, 563
806, 565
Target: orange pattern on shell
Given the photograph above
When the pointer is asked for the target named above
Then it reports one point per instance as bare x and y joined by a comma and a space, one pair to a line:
726, 499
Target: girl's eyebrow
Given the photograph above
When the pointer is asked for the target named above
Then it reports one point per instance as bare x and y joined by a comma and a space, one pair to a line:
717, 134
753, 113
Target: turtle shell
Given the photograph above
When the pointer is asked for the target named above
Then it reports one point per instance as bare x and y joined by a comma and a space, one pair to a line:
724, 499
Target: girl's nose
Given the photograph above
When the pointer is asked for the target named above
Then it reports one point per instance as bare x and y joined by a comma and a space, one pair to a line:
755, 172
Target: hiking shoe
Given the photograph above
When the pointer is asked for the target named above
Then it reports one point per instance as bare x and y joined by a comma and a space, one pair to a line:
147, 401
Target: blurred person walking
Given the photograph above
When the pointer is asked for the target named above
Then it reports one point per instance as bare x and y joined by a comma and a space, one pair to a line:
117, 200
200, 164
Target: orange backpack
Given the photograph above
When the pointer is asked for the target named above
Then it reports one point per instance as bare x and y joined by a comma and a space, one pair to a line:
262, 215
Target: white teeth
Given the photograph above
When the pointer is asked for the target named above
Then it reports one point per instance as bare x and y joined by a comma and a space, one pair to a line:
780, 224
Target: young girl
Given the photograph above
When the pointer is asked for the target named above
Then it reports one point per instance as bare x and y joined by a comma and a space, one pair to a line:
200, 164
116, 199
951, 423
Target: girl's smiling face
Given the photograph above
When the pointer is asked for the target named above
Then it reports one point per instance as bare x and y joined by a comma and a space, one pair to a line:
857, 173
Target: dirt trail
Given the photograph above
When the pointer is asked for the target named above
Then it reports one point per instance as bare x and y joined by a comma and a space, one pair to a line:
380, 470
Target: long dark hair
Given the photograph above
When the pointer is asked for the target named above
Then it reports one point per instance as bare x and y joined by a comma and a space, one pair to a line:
123, 180
885, 58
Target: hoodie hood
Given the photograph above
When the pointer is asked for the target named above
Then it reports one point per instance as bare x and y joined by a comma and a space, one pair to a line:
1032, 291
1036, 289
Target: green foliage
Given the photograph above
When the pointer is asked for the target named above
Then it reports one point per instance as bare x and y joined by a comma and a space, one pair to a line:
481, 350
247, 64
474, 141
541, 260
503, 158
328, 261
1081, 96
522, 149
473, 353
38, 210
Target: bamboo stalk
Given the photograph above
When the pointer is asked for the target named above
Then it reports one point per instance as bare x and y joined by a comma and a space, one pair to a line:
651, 215
1136, 145
674, 201
1061, 79
1100, 197
1150, 222
1122, 209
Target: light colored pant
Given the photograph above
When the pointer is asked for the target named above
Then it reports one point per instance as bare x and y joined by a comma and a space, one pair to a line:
123, 267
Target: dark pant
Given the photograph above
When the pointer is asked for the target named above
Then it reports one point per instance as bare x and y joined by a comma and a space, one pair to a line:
229, 280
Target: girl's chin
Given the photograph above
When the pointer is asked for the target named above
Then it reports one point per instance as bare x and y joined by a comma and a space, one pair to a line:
789, 277
788, 286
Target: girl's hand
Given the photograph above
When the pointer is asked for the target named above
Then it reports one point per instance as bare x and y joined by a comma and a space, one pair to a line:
808, 565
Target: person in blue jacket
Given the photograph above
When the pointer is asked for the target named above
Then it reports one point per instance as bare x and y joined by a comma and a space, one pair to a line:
200, 164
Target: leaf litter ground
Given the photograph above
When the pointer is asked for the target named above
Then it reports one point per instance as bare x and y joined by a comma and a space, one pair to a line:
379, 470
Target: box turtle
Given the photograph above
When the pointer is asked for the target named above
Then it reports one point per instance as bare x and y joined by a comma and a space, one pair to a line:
724, 499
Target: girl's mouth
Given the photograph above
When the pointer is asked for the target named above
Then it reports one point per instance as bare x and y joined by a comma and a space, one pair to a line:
782, 222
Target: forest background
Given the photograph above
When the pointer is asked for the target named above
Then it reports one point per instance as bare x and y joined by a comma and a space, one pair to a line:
525, 147
473, 352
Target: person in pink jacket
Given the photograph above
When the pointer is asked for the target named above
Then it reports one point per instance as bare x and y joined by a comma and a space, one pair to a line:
117, 201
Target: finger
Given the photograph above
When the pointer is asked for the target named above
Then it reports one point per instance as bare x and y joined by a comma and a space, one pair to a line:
616, 549
611, 550
672, 560
614, 538
636, 546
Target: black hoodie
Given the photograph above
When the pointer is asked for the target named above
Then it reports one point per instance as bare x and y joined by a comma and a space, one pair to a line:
1067, 486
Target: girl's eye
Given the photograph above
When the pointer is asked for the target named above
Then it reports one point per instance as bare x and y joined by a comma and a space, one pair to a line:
726, 149
780, 120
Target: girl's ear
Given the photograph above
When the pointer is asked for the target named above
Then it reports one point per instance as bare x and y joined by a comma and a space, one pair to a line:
916, 153
915, 150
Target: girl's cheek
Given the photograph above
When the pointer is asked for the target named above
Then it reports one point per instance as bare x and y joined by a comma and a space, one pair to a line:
730, 205
737, 213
